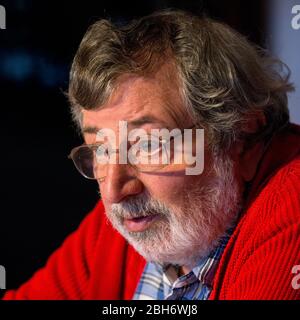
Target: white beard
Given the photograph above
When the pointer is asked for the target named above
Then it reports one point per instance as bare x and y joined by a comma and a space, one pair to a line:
184, 235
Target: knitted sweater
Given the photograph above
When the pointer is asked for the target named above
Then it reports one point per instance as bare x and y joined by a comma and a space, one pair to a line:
95, 261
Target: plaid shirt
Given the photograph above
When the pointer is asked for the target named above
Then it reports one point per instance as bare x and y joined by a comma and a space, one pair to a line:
161, 282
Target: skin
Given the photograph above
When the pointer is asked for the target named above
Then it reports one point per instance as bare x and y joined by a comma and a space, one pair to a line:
155, 96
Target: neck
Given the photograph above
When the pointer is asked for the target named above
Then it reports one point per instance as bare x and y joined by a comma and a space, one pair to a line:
183, 270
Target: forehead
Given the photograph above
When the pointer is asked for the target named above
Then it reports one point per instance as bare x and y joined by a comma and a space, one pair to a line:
156, 97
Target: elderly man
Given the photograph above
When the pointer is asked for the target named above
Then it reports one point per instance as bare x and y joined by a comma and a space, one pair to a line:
229, 231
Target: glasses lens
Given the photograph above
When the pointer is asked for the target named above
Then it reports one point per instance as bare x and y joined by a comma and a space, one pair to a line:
83, 160
150, 154
86, 160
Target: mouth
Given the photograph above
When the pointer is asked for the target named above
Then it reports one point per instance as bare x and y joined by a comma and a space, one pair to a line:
140, 224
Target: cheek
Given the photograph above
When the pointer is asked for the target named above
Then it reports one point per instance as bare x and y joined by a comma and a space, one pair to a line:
168, 189
103, 198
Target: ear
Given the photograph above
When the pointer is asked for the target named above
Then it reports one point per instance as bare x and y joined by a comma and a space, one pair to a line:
249, 155
249, 161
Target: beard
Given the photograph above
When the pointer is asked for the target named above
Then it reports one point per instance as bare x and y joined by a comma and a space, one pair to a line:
183, 235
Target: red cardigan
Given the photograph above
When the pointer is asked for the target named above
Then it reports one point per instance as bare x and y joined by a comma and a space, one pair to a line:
95, 262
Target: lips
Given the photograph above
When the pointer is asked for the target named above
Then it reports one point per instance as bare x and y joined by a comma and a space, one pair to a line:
139, 224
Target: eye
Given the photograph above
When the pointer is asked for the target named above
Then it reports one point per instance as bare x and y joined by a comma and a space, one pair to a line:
149, 145
101, 153
145, 145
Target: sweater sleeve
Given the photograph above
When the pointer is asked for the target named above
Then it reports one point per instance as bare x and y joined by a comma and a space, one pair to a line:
67, 271
264, 259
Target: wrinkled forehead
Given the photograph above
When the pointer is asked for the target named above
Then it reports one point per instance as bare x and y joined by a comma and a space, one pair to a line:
141, 101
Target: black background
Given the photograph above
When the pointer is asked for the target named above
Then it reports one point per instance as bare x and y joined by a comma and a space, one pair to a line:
43, 198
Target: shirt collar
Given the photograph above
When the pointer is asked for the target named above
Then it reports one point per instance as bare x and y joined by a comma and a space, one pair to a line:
204, 271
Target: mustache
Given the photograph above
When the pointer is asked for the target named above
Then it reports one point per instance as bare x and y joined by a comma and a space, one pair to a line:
139, 206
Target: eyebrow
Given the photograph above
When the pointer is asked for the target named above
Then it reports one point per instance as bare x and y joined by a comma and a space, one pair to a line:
90, 130
137, 122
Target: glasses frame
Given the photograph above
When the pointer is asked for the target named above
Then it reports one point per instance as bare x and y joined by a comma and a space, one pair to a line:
96, 145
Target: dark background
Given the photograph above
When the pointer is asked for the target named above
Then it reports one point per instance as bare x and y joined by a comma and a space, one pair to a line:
43, 198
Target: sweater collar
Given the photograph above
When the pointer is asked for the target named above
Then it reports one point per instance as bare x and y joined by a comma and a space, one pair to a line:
281, 149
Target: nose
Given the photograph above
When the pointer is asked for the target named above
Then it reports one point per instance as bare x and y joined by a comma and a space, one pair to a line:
120, 182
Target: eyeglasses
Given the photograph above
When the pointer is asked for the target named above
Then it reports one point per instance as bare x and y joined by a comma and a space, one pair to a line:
149, 154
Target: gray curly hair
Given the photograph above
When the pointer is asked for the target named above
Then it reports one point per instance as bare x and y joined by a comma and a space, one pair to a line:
224, 79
